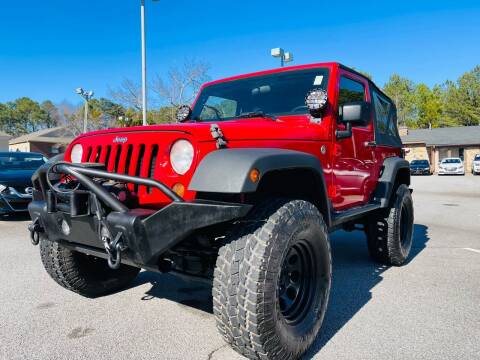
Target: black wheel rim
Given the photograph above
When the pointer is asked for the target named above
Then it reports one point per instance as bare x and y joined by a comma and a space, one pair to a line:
296, 286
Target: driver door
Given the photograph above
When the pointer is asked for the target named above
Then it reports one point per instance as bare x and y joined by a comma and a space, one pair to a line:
354, 157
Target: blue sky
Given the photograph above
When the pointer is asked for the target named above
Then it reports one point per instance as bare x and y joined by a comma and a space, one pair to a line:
48, 48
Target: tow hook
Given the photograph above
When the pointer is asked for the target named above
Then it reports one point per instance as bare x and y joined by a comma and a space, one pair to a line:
114, 248
35, 230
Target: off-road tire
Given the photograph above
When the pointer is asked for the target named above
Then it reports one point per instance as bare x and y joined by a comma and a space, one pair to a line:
247, 290
86, 275
390, 232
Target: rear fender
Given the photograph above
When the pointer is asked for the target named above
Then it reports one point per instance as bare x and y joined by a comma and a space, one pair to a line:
394, 170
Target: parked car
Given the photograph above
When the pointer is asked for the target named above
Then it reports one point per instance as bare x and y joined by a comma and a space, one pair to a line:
16, 170
242, 192
420, 167
451, 166
476, 165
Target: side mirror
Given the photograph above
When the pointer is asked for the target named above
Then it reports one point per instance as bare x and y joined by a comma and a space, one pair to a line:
356, 113
183, 113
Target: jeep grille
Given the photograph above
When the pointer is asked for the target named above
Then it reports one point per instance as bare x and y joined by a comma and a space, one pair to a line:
132, 159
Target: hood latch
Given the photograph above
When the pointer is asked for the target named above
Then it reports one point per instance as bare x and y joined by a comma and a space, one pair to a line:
217, 135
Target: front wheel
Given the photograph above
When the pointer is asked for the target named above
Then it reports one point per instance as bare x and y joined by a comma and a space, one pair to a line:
272, 281
86, 275
390, 233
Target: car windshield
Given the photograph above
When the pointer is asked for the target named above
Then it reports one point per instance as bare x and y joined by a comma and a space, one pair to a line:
274, 94
451, 161
477, 157
21, 161
420, 162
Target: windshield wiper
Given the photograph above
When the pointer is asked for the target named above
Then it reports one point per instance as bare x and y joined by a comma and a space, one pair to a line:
254, 114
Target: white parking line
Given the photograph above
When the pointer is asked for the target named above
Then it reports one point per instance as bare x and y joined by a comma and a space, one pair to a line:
470, 249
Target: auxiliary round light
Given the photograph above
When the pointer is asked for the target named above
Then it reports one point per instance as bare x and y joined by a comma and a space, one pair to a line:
181, 156
183, 113
316, 100
77, 153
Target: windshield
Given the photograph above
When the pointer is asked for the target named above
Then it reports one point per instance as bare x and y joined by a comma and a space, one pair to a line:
451, 161
477, 157
21, 161
274, 94
420, 162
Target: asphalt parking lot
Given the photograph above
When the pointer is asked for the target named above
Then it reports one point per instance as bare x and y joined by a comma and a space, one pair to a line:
428, 309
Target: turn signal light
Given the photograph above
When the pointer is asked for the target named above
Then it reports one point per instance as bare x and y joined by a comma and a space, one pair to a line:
179, 189
254, 175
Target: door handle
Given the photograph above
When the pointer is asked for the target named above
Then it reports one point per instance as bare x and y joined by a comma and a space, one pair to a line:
370, 143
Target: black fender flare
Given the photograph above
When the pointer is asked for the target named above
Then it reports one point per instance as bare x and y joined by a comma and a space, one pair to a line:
388, 175
227, 170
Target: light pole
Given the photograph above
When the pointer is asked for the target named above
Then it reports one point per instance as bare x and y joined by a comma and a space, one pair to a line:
144, 63
86, 95
285, 57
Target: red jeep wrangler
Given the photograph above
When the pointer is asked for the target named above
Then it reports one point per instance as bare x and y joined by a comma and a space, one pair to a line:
243, 191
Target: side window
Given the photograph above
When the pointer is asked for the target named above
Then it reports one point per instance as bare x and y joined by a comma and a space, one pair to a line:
382, 113
350, 90
386, 132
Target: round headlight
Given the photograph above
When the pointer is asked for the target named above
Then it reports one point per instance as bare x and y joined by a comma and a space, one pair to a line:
181, 156
77, 153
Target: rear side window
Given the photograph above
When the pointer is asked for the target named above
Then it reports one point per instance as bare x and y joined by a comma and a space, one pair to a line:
386, 132
349, 91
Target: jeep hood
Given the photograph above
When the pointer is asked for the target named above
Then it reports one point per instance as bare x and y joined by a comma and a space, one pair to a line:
294, 127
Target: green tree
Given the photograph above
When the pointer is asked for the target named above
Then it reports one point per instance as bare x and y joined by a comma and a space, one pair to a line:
401, 91
428, 106
51, 115
462, 99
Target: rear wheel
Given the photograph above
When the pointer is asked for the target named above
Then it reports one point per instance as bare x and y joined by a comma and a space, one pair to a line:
390, 233
272, 281
86, 275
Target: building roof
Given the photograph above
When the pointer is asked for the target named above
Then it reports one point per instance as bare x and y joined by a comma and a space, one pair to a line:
60, 134
464, 135
4, 135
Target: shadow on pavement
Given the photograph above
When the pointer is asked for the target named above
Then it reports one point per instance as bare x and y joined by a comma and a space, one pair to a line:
354, 276
191, 293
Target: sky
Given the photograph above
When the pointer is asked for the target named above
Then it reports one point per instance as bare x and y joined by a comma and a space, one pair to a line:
48, 48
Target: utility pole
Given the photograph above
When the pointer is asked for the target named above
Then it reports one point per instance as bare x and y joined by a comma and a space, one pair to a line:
285, 57
86, 95
144, 62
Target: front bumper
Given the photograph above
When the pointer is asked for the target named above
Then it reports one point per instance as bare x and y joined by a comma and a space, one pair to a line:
73, 219
451, 172
12, 203
419, 171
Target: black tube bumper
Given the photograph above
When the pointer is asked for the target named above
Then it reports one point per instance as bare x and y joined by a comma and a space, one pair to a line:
146, 234
71, 218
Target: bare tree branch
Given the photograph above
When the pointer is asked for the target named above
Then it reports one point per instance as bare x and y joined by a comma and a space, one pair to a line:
129, 94
182, 83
